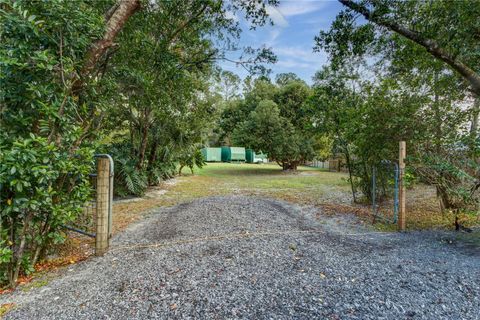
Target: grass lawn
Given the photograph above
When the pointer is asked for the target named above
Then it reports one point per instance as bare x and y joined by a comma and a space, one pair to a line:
307, 186
311, 184
327, 191
330, 191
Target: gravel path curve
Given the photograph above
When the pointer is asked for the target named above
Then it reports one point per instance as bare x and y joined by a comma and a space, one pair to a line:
246, 257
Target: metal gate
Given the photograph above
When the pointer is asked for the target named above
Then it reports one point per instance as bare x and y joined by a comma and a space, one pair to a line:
385, 186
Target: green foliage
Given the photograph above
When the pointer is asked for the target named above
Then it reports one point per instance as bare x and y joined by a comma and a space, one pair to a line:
41, 188
275, 120
128, 180
147, 91
367, 120
165, 102
284, 78
418, 95
449, 25
228, 83
454, 175
191, 159
44, 156
267, 131
323, 147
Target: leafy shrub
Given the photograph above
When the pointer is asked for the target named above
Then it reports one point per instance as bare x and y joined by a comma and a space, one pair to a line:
41, 188
130, 179
45, 157
191, 159
410, 178
455, 176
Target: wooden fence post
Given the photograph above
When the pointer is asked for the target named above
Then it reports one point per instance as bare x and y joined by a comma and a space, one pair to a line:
401, 185
103, 198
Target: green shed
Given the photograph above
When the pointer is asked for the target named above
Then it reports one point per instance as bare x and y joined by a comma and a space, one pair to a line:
237, 153
233, 154
250, 155
212, 154
226, 154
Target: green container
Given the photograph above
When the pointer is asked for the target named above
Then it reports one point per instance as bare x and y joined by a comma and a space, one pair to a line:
237, 153
212, 154
233, 154
226, 154
250, 156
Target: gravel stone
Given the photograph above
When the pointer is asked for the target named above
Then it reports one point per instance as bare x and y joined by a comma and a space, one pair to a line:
248, 257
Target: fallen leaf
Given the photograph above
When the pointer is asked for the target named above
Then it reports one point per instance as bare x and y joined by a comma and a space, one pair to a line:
4, 308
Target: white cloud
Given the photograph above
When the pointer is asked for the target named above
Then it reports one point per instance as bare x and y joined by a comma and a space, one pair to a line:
289, 63
298, 53
273, 35
231, 15
296, 8
290, 9
276, 16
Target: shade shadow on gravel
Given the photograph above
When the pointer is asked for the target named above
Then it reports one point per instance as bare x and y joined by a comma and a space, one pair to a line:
247, 257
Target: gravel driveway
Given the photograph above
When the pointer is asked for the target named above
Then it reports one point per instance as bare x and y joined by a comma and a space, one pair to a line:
246, 257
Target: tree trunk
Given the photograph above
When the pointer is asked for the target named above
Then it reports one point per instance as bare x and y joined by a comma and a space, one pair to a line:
12, 239
457, 224
143, 147
41, 246
292, 165
116, 17
153, 155
20, 251
367, 177
474, 128
349, 166
438, 120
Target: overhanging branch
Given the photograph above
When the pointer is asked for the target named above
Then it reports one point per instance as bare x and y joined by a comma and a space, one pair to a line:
430, 45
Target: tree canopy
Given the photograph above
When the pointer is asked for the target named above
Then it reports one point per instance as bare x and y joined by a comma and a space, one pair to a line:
274, 118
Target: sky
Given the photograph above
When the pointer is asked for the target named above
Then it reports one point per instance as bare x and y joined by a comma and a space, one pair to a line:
296, 23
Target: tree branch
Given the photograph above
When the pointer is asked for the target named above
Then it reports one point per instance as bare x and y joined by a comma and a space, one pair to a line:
430, 45
187, 22
117, 17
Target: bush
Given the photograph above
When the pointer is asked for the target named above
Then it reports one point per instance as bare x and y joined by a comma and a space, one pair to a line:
455, 176
41, 188
132, 180
45, 126
128, 179
191, 159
